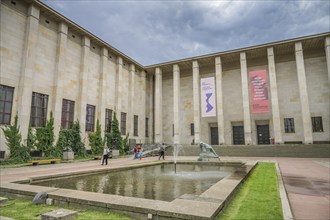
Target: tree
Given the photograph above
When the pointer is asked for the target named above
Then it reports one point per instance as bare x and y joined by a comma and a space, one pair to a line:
95, 140
31, 140
75, 142
45, 138
116, 135
13, 138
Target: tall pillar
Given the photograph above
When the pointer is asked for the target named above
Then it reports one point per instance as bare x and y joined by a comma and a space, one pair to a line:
274, 97
131, 100
59, 73
142, 132
24, 95
220, 117
102, 88
196, 96
306, 116
158, 107
246, 100
151, 108
118, 95
327, 54
81, 104
176, 103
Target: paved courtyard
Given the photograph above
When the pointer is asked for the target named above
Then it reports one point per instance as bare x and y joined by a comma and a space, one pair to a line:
307, 180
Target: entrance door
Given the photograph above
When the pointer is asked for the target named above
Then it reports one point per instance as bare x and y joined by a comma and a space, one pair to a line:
238, 135
263, 134
214, 136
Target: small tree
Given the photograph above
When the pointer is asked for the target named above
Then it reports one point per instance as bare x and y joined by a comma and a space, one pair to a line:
13, 140
116, 135
95, 140
63, 140
31, 139
45, 138
75, 142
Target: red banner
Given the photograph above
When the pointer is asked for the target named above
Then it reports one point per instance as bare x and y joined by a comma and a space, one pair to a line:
259, 91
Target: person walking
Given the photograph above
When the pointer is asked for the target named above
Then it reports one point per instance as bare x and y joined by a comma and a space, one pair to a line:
161, 152
106, 152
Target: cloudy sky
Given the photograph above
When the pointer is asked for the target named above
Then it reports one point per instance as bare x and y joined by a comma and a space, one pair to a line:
153, 32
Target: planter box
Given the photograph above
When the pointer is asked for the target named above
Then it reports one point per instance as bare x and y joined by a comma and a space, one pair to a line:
68, 155
115, 153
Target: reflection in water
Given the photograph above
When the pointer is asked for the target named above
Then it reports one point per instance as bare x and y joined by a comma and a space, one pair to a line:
158, 182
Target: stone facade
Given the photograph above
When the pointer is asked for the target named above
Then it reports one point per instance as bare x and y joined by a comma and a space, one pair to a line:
43, 52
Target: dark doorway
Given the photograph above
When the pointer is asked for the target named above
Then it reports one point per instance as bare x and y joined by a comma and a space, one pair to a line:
214, 136
263, 134
238, 135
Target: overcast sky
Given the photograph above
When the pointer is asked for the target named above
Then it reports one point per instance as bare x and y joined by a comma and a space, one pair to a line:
153, 32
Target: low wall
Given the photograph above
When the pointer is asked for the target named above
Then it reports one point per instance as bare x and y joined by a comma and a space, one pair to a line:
283, 150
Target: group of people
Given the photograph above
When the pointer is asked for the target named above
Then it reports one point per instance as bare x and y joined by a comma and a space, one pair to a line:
137, 152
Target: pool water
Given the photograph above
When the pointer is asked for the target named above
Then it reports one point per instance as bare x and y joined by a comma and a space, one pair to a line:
158, 182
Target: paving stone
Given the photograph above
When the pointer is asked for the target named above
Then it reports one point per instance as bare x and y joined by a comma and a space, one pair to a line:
59, 214
3, 200
5, 218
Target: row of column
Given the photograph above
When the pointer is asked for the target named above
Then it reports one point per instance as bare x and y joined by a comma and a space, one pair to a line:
25, 84
306, 116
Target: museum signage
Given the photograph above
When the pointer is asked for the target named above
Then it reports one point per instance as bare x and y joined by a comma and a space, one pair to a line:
259, 91
208, 97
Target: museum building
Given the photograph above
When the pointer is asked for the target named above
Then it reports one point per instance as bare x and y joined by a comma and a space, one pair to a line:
275, 93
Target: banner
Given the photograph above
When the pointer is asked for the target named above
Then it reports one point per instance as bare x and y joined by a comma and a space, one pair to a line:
208, 97
259, 91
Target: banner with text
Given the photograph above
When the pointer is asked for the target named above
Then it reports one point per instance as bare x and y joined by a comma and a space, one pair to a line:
259, 91
208, 97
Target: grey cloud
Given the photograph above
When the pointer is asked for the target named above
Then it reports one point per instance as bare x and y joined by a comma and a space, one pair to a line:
158, 31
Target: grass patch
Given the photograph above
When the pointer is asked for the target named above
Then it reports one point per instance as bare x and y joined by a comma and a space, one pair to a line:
258, 197
21, 209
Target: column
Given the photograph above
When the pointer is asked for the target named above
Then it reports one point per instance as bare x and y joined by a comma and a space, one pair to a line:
196, 96
102, 88
327, 54
24, 95
274, 97
142, 118
119, 78
176, 103
220, 117
151, 108
246, 100
59, 73
158, 107
81, 104
130, 124
306, 116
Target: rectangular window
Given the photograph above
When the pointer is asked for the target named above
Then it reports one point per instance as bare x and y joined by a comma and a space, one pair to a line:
108, 120
317, 124
123, 123
289, 125
6, 104
90, 117
67, 113
38, 110
147, 128
192, 129
136, 125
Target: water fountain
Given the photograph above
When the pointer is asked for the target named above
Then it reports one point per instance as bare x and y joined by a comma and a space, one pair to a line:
176, 151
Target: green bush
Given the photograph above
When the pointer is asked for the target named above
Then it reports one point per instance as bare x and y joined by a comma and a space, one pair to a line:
95, 140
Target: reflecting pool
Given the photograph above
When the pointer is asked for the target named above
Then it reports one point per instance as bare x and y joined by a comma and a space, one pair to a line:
158, 182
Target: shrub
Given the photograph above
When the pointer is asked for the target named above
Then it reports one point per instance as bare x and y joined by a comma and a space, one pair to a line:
95, 140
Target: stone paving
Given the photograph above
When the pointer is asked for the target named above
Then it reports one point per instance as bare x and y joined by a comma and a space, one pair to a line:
306, 180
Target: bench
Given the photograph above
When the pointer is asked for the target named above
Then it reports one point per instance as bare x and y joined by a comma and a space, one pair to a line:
36, 162
98, 157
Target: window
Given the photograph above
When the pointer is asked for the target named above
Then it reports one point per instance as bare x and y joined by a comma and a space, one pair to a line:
172, 129
67, 113
147, 128
317, 124
136, 125
38, 110
108, 120
192, 129
6, 103
90, 117
289, 125
123, 123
